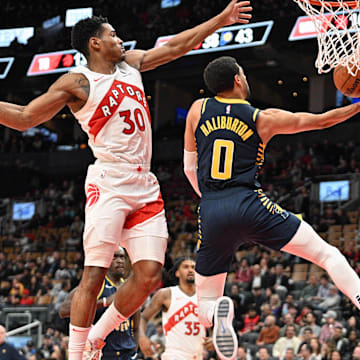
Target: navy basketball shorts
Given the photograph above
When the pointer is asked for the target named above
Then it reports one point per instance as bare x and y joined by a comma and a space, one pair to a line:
233, 217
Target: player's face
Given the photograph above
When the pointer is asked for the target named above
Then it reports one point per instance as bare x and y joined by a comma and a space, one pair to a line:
186, 271
244, 82
111, 45
117, 266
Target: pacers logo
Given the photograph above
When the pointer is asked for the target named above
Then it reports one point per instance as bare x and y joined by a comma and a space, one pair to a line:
92, 196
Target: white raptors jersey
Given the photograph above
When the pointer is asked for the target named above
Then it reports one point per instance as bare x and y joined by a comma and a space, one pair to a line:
116, 116
182, 328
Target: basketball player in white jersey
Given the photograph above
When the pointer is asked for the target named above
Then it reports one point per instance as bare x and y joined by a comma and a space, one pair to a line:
123, 197
184, 334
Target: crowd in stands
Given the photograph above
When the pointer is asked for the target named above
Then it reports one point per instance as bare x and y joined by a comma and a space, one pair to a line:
280, 302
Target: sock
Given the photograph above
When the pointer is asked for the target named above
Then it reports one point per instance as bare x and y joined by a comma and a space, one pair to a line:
77, 340
208, 290
109, 320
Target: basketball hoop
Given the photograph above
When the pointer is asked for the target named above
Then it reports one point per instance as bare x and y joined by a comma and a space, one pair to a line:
337, 24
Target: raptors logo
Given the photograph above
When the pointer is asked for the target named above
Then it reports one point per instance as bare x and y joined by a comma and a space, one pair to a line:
92, 195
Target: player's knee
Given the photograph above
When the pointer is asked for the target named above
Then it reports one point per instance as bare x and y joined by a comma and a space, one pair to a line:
148, 275
332, 257
92, 280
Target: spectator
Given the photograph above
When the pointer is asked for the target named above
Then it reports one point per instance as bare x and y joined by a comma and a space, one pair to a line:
307, 334
328, 329
290, 354
263, 353
340, 342
332, 302
288, 304
310, 322
327, 219
353, 340
288, 320
323, 290
242, 354
335, 355
26, 299
306, 352
309, 292
316, 347
7, 351
341, 218
289, 340
63, 271
244, 274
256, 297
356, 353
269, 333
251, 320
279, 281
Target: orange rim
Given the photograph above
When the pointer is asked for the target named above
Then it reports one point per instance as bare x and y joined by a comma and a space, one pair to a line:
352, 4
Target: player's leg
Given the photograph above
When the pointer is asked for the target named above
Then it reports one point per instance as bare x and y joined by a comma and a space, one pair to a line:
147, 255
217, 244
306, 243
84, 298
105, 215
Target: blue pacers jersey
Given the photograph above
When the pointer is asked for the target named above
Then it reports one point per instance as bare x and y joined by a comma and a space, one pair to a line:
122, 338
230, 151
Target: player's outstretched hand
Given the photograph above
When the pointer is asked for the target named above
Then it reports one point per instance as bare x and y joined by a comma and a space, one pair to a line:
237, 12
148, 348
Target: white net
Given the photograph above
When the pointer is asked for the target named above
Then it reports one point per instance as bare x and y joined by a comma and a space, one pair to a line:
338, 33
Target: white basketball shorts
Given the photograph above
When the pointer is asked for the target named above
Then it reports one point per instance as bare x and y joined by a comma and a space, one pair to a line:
123, 207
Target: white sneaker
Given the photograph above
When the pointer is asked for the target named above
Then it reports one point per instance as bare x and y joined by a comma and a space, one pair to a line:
92, 350
224, 337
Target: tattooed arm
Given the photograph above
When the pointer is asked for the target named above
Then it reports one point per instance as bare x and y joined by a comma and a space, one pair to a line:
70, 89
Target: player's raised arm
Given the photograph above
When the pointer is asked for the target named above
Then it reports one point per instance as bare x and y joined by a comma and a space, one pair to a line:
271, 122
179, 45
67, 88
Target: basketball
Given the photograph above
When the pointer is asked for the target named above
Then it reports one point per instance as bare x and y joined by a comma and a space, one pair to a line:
346, 83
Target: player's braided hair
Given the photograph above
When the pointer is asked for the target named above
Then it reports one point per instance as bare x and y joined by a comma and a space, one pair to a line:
83, 30
172, 277
219, 74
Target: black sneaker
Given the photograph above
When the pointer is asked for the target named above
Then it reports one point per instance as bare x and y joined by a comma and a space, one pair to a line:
224, 337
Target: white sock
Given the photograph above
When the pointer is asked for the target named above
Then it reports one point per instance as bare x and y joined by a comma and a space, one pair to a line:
208, 290
307, 244
77, 341
109, 320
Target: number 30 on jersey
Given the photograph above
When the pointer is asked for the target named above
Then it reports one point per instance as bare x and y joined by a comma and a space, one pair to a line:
133, 120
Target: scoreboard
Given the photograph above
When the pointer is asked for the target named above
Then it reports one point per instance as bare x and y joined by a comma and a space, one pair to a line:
61, 61
229, 38
305, 28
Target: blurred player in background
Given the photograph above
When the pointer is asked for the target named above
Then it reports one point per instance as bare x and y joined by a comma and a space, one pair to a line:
121, 343
185, 336
225, 140
124, 203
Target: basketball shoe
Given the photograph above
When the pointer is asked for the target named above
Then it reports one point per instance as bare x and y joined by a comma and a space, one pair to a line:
224, 336
92, 350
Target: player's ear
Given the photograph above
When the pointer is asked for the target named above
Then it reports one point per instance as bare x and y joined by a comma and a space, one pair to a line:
177, 274
94, 42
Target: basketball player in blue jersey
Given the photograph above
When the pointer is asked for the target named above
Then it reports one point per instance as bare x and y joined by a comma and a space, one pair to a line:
225, 140
121, 343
